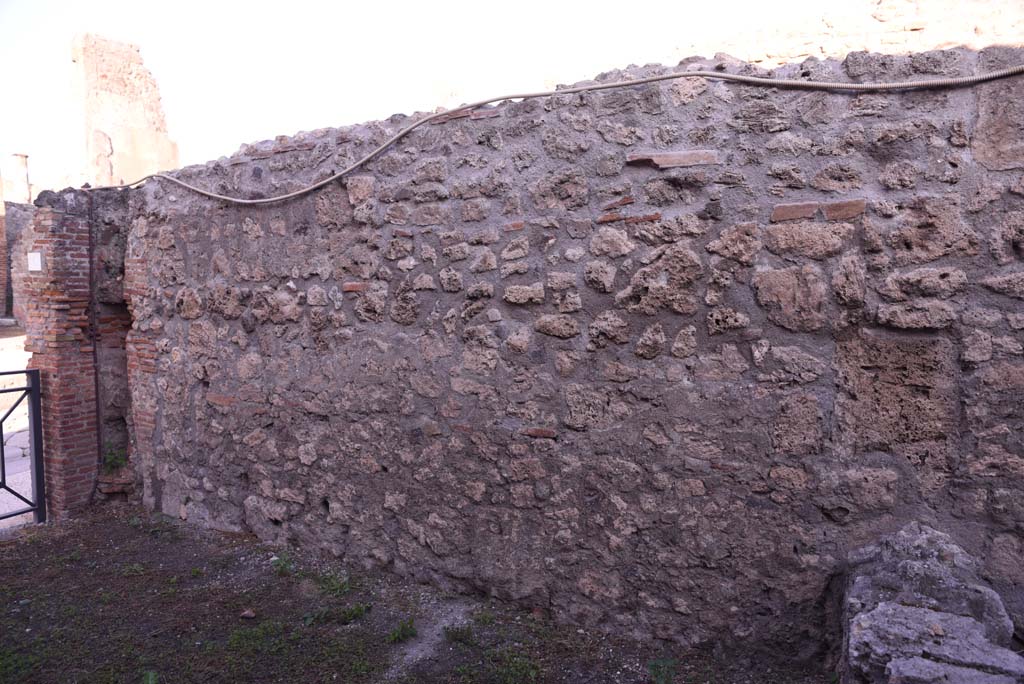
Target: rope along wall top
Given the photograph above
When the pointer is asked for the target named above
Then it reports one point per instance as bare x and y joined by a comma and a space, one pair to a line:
943, 83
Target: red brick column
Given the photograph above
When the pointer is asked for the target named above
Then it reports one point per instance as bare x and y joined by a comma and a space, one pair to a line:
57, 298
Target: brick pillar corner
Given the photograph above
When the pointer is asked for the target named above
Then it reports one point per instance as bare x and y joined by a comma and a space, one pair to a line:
51, 274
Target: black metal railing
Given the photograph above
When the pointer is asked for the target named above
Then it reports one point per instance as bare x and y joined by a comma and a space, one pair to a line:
36, 504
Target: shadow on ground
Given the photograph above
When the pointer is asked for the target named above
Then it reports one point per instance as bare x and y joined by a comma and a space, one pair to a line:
125, 596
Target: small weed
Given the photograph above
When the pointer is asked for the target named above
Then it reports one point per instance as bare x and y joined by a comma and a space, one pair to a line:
511, 667
149, 677
332, 585
344, 616
403, 632
14, 667
173, 581
353, 613
135, 521
460, 634
114, 459
467, 674
662, 670
266, 637
196, 572
133, 570
484, 617
72, 557
283, 565
317, 616
360, 666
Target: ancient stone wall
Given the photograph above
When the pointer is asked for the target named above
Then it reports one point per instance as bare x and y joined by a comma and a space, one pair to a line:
653, 359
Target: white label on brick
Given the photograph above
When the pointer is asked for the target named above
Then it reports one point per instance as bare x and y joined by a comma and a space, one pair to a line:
35, 261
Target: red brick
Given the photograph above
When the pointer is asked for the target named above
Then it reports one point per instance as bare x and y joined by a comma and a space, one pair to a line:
618, 203
668, 160
799, 210
845, 209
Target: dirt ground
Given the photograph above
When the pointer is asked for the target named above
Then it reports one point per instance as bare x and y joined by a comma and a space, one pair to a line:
122, 595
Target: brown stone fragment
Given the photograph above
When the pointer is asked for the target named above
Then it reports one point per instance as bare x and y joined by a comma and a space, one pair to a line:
668, 160
643, 218
540, 432
618, 203
353, 287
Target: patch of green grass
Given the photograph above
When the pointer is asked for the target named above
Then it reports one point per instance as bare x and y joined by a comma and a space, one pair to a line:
149, 677
403, 632
268, 636
467, 674
196, 572
333, 585
114, 459
344, 616
316, 616
484, 617
72, 557
283, 565
353, 613
513, 667
460, 634
133, 570
14, 666
662, 670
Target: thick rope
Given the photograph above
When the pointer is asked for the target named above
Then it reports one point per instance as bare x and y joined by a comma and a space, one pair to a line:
941, 83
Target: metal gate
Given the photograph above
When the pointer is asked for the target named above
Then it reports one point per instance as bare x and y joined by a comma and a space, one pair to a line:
35, 501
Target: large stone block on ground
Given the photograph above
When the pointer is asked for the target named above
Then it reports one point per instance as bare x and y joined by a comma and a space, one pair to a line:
915, 611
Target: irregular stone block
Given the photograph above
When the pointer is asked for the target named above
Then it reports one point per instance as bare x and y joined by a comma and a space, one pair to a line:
895, 390
557, 325
525, 294
666, 283
918, 315
1011, 284
941, 282
651, 343
810, 239
794, 297
741, 243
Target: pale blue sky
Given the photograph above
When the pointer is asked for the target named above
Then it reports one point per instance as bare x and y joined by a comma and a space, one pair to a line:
233, 72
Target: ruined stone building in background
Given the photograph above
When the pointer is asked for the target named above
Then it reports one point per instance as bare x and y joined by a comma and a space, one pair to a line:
124, 126
123, 137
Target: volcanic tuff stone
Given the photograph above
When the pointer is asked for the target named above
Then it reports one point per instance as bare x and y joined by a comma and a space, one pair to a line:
915, 610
